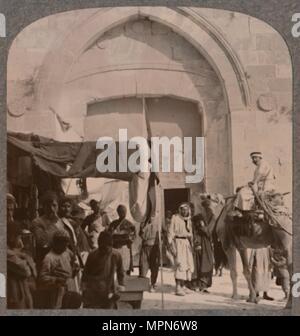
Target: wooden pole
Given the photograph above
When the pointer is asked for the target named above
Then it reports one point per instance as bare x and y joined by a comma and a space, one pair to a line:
159, 215
146, 130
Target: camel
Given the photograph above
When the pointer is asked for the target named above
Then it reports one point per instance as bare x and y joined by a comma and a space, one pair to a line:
265, 236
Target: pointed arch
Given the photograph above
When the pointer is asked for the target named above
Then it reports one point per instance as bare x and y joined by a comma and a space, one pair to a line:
193, 27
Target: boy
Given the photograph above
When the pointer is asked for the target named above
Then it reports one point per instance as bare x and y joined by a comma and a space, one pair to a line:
57, 272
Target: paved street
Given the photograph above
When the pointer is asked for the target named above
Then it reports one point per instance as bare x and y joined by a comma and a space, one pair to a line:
219, 296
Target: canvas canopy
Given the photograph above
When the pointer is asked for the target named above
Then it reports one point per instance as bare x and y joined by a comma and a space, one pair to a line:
78, 160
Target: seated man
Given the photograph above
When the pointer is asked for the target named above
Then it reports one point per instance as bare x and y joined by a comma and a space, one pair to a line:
263, 181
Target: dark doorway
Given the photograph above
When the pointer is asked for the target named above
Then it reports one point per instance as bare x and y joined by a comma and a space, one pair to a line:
174, 197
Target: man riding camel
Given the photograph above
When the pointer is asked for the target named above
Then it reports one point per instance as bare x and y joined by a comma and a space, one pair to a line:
264, 177
263, 181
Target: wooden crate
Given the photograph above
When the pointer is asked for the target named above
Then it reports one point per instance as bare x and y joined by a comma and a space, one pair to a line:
134, 289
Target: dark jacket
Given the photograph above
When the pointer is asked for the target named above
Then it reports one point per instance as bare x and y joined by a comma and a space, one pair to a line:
98, 277
21, 274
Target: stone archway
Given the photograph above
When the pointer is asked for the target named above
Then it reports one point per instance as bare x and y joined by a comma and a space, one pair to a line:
195, 29
202, 35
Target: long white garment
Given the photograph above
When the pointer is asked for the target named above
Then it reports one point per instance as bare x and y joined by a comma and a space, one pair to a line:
264, 177
138, 196
260, 269
178, 230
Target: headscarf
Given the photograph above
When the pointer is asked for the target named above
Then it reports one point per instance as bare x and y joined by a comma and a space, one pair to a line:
11, 199
258, 154
187, 206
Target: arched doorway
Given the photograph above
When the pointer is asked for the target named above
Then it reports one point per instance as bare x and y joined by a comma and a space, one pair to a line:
68, 92
144, 58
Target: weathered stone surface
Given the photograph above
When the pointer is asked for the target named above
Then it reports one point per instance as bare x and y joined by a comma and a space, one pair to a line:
281, 84
261, 71
144, 57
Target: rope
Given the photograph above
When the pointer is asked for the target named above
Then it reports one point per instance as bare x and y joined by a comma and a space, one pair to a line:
268, 211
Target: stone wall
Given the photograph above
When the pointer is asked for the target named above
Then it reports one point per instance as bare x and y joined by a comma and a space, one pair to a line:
143, 49
267, 63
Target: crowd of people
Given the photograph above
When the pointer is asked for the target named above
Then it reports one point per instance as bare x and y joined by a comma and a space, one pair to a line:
66, 260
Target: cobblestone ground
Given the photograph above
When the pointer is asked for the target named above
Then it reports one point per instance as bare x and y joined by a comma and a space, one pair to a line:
219, 296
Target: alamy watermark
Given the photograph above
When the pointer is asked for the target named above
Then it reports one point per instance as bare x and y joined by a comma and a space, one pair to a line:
152, 155
296, 285
296, 26
2, 286
2, 25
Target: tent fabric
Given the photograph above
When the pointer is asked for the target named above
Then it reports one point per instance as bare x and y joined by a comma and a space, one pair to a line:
78, 160
56, 157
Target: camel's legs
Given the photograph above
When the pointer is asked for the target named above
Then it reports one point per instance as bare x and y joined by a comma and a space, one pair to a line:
247, 275
231, 255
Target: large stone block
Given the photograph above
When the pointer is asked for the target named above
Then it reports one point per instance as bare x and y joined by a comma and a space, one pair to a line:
276, 57
258, 85
281, 84
269, 42
244, 43
284, 71
265, 71
249, 57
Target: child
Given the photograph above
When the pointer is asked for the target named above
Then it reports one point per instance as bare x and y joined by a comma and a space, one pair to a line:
57, 273
281, 271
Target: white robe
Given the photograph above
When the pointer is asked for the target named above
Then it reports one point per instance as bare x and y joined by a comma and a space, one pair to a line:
263, 180
184, 263
264, 177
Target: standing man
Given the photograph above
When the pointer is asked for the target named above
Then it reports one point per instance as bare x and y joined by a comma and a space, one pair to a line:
167, 257
150, 253
264, 177
78, 238
94, 224
180, 239
98, 280
260, 265
45, 226
203, 250
123, 233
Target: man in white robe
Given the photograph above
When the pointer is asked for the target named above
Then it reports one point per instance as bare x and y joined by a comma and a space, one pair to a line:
179, 238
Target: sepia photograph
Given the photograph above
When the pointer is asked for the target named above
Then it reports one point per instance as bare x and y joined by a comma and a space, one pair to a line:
149, 162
